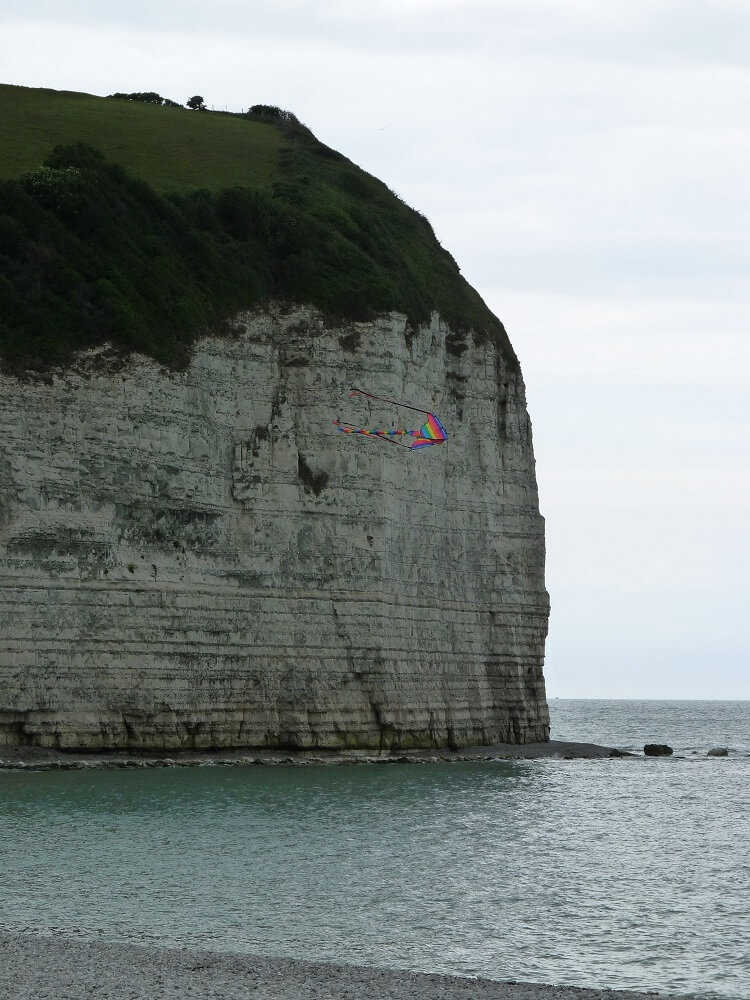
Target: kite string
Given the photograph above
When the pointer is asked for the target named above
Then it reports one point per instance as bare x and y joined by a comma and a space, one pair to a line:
383, 399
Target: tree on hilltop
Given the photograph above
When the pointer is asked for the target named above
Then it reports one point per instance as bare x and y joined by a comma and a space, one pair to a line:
147, 97
196, 103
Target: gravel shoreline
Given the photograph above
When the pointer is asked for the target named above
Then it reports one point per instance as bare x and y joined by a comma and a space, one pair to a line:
44, 759
35, 967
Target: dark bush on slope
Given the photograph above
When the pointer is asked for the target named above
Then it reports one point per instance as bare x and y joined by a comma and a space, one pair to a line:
89, 254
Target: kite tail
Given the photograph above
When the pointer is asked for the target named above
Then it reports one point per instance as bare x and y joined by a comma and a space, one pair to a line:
354, 429
381, 435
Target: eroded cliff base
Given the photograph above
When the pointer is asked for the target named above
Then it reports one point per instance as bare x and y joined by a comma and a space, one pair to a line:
45, 759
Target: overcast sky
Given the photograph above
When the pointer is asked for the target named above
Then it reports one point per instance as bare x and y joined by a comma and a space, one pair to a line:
586, 162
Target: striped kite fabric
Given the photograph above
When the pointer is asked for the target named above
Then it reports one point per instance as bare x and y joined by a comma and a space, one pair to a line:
431, 432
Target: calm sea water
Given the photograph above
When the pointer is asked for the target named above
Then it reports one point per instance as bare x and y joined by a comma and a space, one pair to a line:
626, 873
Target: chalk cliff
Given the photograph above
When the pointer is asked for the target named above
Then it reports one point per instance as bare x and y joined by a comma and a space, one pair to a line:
199, 559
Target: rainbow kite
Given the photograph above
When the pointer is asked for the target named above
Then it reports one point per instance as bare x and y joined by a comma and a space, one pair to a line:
431, 431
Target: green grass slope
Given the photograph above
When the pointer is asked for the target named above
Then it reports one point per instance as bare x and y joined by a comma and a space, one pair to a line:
147, 226
173, 149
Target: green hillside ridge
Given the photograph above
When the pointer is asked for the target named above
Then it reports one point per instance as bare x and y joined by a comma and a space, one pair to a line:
148, 226
172, 149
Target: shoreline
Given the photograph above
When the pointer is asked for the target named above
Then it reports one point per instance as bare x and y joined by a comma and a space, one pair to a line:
34, 966
29, 758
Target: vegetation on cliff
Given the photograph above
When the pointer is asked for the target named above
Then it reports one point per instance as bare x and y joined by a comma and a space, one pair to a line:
145, 225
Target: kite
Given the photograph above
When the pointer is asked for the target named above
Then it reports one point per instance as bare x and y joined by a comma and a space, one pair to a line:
431, 431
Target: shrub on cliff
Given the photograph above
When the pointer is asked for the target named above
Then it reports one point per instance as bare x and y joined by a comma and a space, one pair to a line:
270, 111
147, 97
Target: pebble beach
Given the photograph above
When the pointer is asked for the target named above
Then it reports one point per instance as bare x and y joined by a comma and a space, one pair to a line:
33, 967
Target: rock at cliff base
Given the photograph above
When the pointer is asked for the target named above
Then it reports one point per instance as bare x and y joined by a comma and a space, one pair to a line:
657, 750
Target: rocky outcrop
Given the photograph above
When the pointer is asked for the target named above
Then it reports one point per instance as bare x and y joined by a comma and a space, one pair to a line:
199, 559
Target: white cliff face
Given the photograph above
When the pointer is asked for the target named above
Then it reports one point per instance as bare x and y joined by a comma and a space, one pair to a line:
200, 559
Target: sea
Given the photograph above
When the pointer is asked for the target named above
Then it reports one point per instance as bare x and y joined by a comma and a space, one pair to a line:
627, 873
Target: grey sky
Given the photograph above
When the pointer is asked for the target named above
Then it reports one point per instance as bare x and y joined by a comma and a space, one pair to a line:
586, 164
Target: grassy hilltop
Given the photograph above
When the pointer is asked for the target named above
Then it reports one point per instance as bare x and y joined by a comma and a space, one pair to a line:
172, 149
147, 226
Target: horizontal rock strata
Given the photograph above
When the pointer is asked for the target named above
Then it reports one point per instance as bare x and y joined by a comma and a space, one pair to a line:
199, 559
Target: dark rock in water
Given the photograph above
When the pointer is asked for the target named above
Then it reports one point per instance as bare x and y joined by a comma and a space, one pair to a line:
614, 752
718, 752
657, 750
